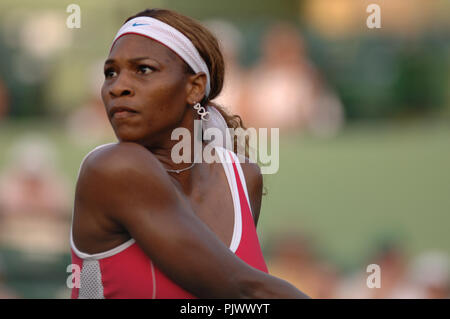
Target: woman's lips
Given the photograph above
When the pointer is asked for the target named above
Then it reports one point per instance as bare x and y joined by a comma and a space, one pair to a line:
123, 114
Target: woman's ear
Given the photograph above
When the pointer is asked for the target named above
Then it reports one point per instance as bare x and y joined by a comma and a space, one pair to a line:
196, 87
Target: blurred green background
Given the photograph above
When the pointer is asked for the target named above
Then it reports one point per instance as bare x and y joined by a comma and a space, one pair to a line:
383, 175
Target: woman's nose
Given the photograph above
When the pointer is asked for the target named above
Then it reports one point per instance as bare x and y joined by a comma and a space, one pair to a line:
121, 87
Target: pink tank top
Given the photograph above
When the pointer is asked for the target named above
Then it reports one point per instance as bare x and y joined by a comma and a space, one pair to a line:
127, 272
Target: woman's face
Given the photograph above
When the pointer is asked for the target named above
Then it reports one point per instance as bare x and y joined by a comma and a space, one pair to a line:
144, 90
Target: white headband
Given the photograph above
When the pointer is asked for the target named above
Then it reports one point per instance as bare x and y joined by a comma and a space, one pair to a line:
171, 38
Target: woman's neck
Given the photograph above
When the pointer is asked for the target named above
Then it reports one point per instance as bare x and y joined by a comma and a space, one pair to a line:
180, 154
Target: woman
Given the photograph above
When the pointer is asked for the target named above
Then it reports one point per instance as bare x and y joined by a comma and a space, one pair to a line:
144, 226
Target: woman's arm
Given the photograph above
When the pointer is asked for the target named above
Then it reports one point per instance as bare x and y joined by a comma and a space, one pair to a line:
134, 190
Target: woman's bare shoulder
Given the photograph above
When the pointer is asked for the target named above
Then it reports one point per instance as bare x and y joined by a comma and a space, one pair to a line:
123, 177
119, 158
110, 172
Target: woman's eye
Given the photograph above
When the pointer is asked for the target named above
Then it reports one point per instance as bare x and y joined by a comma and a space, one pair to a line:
145, 69
109, 73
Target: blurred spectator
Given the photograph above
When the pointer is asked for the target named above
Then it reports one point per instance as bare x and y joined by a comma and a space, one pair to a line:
430, 272
285, 90
4, 100
31, 183
294, 260
328, 281
393, 264
89, 124
34, 198
230, 41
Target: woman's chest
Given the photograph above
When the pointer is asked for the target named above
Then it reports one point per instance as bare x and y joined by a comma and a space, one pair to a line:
213, 203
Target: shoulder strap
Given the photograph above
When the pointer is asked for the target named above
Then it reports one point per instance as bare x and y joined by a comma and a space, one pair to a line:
227, 161
235, 161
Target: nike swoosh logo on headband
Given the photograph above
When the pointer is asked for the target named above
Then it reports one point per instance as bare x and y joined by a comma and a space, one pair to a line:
138, 24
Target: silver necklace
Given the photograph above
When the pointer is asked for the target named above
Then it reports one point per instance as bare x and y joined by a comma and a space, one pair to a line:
178, 171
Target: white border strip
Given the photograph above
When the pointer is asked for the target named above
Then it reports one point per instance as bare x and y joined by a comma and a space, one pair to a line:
229, 172
102, 255
154, 280
242, 178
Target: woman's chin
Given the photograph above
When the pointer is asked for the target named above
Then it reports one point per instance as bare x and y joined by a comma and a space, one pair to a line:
128, 136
